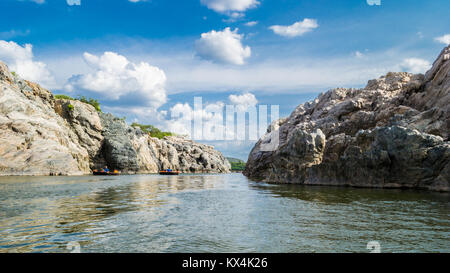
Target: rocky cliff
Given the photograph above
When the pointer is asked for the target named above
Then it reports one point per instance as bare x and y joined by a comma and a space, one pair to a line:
41, 135
394, 133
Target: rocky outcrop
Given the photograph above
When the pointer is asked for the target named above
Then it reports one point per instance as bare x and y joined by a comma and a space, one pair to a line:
41, 135
394, 133
129, 148
34, 139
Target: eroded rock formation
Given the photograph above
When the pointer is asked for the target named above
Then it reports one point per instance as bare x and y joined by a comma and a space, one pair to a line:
394, 133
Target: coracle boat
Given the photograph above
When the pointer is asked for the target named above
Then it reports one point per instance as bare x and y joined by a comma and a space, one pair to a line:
102, 172
169, 172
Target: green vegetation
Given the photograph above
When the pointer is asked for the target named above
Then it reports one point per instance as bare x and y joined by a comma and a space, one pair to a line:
152, 130
13, 73
237, 165
90, 101
64, 97
70, 107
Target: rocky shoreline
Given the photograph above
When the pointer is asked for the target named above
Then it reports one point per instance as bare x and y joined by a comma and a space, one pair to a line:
41, 135
394, 133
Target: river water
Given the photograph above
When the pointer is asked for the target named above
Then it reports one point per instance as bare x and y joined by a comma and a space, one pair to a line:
214, 213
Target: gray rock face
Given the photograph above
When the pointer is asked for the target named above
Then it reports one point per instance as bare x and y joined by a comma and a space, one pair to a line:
394, 133
188, 156
133, 151
118, 151
41, 135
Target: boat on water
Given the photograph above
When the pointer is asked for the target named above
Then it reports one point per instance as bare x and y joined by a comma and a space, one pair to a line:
169, 172
103, 172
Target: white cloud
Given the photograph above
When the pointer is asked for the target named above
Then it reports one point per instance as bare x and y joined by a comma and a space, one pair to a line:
211, 114
251, 23
181, 124
297, 29
224, 6
234, 16
445, 39
243, 101
115, 77
222, 47
358, 54
415, 65
74, 2
20, 60
38, 1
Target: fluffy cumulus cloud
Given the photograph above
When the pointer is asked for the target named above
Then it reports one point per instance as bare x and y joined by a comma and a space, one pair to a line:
297, 29
224, 6
415, 65
115, 77
74, 2
243, 101
216, 128
445, 39
182, 116
223, 47
212, 115
20, 59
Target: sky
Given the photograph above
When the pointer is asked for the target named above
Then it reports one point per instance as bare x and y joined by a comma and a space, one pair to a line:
145, 59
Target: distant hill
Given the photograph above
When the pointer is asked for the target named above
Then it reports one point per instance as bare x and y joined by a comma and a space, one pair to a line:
237, 165
234, 160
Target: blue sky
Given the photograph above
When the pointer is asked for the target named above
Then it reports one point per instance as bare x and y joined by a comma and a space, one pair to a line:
281, 52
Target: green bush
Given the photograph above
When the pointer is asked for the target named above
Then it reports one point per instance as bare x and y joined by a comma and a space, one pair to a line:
13, 73
152, 130
237, 166
90, 101
70, 107
64, 97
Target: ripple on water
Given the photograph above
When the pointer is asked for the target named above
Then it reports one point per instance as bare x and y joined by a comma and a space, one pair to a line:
214, 213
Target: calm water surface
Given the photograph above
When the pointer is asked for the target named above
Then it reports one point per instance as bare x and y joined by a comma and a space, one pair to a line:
214, 213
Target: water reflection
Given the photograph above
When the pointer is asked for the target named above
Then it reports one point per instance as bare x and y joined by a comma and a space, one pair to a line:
74, 216
219, 213
402, 219
330, 194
